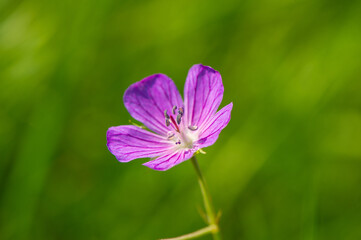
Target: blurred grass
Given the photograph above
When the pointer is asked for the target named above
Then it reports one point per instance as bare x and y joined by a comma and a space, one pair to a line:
287, 166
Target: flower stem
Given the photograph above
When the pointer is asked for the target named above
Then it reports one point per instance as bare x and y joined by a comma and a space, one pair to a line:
211, 216
195, 234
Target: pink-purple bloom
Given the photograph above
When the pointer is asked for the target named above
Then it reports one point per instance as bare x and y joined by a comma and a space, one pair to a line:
179, 129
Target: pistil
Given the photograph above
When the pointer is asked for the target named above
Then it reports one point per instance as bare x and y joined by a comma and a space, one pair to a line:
174, 123
178, 134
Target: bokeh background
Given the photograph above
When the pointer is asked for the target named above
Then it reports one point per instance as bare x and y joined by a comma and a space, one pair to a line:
288, 165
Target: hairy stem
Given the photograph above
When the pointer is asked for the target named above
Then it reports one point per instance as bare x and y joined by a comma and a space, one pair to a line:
195, 234
211, 216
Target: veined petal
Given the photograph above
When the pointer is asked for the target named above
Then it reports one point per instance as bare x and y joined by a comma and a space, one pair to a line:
127, 143
170, 159
211, 130
147, 99
203, 93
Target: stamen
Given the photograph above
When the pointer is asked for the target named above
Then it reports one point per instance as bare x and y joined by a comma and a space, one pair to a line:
192, 128
179, 117
178, 142
166, 114
167, 123
174, 109
170, 135
181, 111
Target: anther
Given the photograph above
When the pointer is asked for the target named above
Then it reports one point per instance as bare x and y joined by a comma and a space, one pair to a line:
166, 114
192, 128
181, 111
179, 117
174, 109
178, 142
170, 135
167, 123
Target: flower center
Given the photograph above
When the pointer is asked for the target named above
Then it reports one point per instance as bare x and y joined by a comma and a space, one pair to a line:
179, 134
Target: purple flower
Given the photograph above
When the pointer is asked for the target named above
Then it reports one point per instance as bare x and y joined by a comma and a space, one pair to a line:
180, 128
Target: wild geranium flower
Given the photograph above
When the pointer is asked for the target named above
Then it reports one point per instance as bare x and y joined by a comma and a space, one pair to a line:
179, 129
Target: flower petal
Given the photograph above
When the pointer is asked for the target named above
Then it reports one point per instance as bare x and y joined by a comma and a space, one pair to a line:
211, 130
203, 93
170, 159
127, 143
147, 99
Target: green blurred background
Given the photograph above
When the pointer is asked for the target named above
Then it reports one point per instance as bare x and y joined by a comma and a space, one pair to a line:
288, 166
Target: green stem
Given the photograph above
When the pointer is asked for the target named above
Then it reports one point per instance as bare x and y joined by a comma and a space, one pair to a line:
211, 216
195, 234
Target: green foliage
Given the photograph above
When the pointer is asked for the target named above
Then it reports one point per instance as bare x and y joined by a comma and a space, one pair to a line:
288, 166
